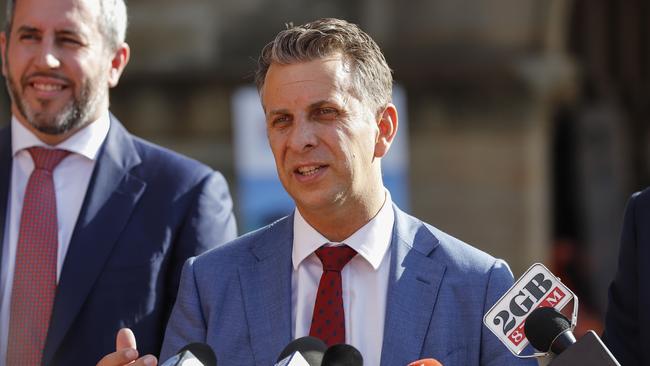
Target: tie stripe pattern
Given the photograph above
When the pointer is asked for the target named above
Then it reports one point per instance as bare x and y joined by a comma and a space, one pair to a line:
328, 319
34, 283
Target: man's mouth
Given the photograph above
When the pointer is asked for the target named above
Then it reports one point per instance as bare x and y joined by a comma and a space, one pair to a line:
309, 170
47, 87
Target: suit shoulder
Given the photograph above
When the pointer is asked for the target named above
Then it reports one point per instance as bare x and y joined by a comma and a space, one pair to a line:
250, 247
169, 165
641, 198
445, 247
463, 255
638, 206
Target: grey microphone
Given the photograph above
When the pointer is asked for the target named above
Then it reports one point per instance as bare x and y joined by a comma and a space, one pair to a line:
193, 354
311, 349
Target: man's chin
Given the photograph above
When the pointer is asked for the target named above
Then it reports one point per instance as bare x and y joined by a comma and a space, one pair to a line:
53, 124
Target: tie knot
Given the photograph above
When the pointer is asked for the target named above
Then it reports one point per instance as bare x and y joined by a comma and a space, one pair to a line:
335, 258
47, 159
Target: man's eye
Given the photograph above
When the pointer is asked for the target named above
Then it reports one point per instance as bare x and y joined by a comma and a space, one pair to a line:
280, 120
28, 37
326, 112
70, 41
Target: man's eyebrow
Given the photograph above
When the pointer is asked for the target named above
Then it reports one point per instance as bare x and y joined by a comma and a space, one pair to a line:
314, 105
62, 32
67, 32
318, 104
278, 111
27, 29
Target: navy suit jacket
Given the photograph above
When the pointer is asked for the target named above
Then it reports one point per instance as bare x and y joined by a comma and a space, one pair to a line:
627, 323
145, 212
237, 298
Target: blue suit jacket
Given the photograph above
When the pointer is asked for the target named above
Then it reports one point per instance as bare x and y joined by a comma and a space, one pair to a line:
237, 298
627, 323
146, 211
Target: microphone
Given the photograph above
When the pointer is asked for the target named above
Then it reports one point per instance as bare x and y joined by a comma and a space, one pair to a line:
528, 313
193, 354
538, 287
303, 351
425, 362
550, 331
342, 355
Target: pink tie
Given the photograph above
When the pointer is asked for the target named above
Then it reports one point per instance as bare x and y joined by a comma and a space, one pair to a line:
328, 321
35, 269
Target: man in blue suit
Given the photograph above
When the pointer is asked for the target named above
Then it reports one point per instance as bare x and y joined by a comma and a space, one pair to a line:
409, 291
124, 214
627, 323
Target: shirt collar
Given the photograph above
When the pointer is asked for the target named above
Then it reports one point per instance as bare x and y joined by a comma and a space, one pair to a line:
371, 241
85, 142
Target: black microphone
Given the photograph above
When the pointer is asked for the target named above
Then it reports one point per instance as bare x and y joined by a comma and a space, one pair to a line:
342, 355
550, 331
194, 354
311, 349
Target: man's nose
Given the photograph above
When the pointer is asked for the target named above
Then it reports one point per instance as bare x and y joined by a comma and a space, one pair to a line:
304, 135
48, 57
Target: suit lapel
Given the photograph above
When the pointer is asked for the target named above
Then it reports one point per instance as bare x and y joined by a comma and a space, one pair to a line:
413, 286
5, 181
112, 194
266, 287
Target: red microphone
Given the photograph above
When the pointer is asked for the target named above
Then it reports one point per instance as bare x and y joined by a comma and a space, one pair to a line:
425, 362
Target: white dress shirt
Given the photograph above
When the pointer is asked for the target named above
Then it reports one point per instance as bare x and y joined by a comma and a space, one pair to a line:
364, 280
71, 178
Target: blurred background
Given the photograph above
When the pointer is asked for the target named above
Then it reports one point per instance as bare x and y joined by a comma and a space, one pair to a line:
527, 125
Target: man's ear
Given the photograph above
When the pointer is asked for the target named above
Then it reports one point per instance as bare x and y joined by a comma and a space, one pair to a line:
387, 124
120, 58
3, 50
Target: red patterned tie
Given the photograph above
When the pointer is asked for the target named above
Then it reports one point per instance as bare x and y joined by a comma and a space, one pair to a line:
328, 321
35, 270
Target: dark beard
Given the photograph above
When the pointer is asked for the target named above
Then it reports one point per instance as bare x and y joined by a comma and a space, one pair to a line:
74, 115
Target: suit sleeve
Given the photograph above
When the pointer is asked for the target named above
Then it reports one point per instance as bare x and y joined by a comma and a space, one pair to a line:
210, 222
187, 323
493, 352
621, 321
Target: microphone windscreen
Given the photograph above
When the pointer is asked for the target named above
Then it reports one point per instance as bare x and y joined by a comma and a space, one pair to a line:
543, 325
425, 362
311, 348
342, 355
203, 352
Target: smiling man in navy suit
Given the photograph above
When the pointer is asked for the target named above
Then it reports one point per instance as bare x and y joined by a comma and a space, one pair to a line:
95, 224
347, 266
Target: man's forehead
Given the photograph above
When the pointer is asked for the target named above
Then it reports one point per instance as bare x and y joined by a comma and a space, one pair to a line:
323, 73
68, 14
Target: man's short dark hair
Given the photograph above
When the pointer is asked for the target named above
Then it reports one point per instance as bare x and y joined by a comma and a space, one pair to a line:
372, 78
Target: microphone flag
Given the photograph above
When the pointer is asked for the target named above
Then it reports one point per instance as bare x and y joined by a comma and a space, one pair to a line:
537, 287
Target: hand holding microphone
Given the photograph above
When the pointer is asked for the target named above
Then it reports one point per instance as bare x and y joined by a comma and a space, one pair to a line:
126, 352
